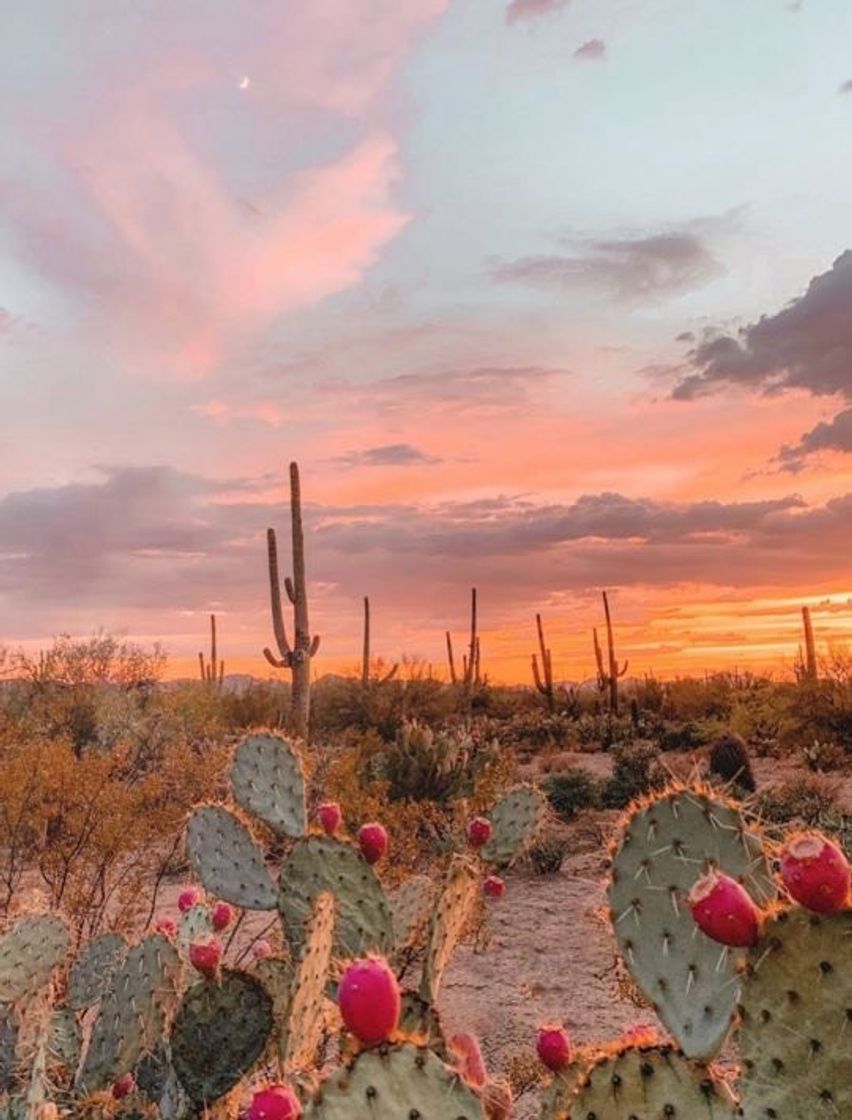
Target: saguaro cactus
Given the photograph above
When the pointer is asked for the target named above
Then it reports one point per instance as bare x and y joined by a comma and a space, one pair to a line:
214, 672
296, 658
365, 659
544, 678
608, 674
808, 668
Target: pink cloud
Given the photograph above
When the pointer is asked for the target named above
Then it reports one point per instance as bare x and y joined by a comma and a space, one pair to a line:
591, 51
264, 412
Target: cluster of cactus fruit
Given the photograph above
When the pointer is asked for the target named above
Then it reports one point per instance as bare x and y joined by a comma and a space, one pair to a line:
166, 1028
735, 942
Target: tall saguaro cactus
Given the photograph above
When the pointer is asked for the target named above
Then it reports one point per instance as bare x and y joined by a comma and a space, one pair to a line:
809, 661
544, 678
214, 672
608, 674
365, 658
296, 658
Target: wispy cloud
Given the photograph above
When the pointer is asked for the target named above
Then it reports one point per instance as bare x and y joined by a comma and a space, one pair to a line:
520, 10
387, 455
593, 50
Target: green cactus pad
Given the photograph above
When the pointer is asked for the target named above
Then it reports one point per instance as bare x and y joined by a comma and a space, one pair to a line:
301, 1029
411, 906
321, 863
93, 969
557, 1096
395, 1083
29, 951
276, 975
8, 1047
650, 1083
132, 1013
196, 924
66, 1039
227, 860
268, 781
796, 1019
515, 819
666, 846
420, 1023
218, 1033
450, 916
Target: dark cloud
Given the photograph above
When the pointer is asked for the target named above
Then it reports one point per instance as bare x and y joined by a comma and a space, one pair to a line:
807, 345
387, 455
830, 435
846, 87
591, 51
685, 336
531, 9
630, 269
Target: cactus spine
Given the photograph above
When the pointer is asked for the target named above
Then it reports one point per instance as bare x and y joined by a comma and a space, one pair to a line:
296, 658
214, 672
608, 675
545, 685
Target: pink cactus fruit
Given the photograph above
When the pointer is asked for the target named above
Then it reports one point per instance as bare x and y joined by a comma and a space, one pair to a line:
329, 817
275, 1102
816, 873
261, 950
553, 1047
166, 926
369, 1000
206, 956
479, 832
123, 1086
722, 908
221, 916
373, 841
469, 1060
188, 897
494, 887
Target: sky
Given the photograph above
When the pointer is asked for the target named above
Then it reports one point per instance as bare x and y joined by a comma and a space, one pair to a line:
543, 296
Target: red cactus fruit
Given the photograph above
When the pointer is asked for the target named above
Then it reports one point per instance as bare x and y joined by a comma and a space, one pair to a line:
469, 1061
479, 832
206, 956
221, 915
494, 886
554, 1047
329, 816
373, 841
188, 897
369, 1000
816, 873
167, 927
123, 1086
723, 909
261, 950
275, 1102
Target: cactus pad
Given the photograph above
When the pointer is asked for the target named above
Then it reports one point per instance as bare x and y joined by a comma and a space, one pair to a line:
196, 924
93, 969
796, 1019
450, 917
29, 952
321, 863
227, 860
515, 819
268, 781
218, 1033
66, 1039
650, 1083
300, 1031
8, 1047
392, 1083
133, 1012
420, 1023
666, 846
558, 1094
411, 906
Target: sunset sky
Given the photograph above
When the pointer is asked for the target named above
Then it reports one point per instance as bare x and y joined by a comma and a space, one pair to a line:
543, 296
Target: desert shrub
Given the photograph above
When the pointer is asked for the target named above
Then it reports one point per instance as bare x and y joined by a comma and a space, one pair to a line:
821, 757
546, 855
685, 736
805, 797
636, 771
821, 709
426, 765
572, 790
730, 762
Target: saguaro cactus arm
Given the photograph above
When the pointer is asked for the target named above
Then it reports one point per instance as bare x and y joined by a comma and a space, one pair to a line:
545, 685
279, 629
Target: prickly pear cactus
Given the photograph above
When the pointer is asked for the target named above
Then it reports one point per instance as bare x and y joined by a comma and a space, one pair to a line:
558, 1094
29, 951
411, 907
268, 781
667, 844
420, 1023
320, 863
93, 970
218, 1033
133, 1012
392, 1083
227, 860
196, 924
8, 1047
450, 916
299, 1033
66, 1040
515, 819
796, 1019
650, 1084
